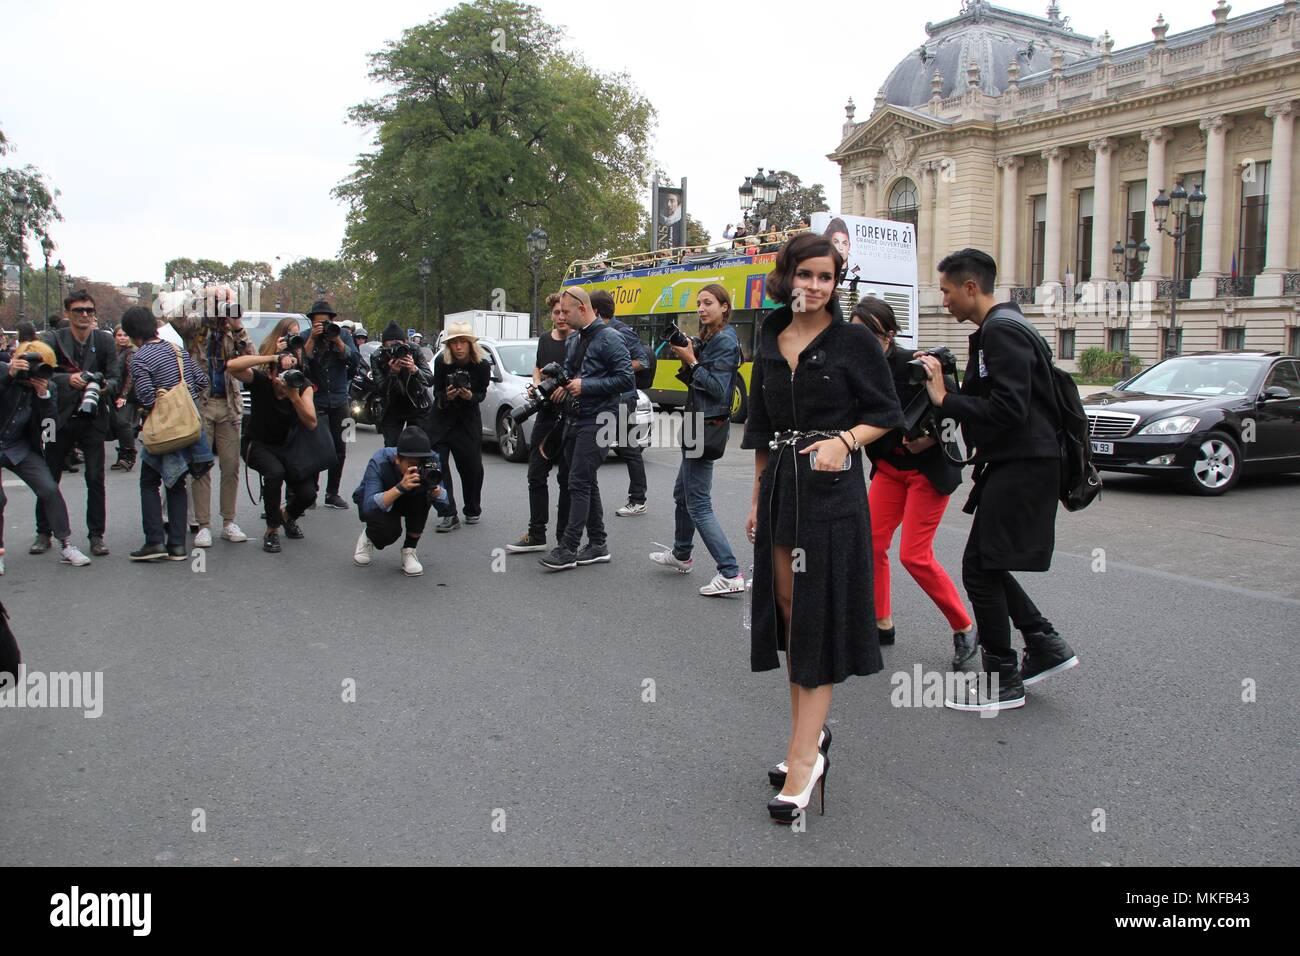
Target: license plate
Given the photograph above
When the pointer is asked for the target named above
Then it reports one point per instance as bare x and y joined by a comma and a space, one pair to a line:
1103, 448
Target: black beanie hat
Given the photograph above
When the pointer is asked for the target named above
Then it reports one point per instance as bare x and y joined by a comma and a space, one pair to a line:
393, 333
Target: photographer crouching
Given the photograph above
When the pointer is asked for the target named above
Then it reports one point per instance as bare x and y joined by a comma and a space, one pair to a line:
26, 403
331, 361
599, 368
401, 483
86, 385
460, 384
282, 398
402, 381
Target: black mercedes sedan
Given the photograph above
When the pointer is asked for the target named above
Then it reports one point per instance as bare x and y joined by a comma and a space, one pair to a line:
1202, 419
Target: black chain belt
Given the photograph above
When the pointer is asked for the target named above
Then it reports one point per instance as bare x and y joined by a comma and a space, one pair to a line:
782, 439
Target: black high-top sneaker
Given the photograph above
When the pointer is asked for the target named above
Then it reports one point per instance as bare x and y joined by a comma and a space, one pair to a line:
1046, 653
980, 695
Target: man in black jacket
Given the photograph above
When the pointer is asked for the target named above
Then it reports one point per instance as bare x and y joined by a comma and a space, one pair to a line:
27, 411
601, 371
81, 349
1007, 409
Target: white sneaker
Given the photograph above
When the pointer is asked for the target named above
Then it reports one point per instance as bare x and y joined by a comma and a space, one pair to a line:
721, 584
203, 539
364, 551
72, 555
231, 532
630, 509
669, 560
411, 565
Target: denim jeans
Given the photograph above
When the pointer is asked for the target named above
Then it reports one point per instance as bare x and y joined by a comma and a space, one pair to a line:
585, 453
694, 496
151, 491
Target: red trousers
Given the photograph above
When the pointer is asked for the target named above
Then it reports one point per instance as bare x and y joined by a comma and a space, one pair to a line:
907, 498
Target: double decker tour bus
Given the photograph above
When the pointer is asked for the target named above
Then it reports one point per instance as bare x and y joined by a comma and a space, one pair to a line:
654, 288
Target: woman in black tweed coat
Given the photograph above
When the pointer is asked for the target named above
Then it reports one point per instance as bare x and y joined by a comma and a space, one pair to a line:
818, 385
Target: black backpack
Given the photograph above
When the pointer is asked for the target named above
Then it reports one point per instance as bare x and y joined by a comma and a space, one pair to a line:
1080, 482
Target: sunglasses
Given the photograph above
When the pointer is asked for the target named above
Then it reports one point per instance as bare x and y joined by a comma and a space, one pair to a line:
82, 311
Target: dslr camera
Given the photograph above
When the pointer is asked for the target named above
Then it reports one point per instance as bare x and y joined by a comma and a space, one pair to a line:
392, 353
291, 377
553, 376
37, 368
90, 397
459, 378
916, 373
295, 342
430, 476
330, 330
675, 336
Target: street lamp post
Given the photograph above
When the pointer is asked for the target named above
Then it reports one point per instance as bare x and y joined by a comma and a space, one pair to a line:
1129, 259
1187, 210
20, 207
47, 247
757, 194
426, 270
537, 242
62, 270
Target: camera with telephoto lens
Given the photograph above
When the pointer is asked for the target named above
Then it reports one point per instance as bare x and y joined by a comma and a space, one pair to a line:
553, 376
916, 371
675, 336
459, 378
90, 397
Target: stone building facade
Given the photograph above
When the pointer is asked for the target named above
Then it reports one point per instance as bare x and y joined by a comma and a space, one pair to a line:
1017, 135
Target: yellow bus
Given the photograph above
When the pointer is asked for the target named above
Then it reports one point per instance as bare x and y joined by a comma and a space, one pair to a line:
652, 289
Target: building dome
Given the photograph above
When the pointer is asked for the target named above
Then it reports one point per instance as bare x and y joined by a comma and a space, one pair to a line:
992, 38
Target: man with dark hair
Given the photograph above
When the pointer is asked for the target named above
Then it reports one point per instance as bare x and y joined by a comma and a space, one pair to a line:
600, 369
332, 360
1008, 413
546, 450
86, 359
603, 303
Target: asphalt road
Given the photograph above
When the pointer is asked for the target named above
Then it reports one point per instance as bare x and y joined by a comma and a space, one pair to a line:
500, 713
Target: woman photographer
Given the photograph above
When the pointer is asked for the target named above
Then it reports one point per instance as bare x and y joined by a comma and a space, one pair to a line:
709, 378
402, 383
124, 408
911, 481
820, 390
460, 384
277, 406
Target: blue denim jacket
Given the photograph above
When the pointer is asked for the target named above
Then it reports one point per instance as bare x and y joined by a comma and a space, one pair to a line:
175, 465
381, 474
709, 391
331, 373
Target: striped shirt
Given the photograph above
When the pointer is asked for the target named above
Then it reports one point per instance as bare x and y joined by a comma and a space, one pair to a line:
154, 369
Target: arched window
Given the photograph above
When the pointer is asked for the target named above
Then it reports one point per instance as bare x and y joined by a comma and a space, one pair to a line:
902, 202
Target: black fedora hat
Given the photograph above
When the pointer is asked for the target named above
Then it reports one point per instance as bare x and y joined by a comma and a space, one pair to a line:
414, 443
321, 308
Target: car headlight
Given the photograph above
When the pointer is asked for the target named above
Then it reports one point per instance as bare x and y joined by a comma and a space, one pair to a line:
1178, 425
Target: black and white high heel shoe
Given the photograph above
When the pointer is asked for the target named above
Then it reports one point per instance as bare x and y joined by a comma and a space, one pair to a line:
784, 809
776, 776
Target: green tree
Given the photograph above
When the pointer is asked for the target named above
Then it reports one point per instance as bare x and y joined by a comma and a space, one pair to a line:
795, 203
489, 129
42, 210
296, 287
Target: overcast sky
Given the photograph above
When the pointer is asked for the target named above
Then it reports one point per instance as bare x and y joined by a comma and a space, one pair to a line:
217, 131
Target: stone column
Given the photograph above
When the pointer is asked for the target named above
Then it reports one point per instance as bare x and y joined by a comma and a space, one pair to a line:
1103, 197
870, 198
1279, 185
941, 211
1008, 257
927, 281
1056, 157
1155, 139
1216, 201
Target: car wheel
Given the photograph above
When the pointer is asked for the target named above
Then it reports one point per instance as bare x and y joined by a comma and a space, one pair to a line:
739, 402
509, 438
1217, 466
